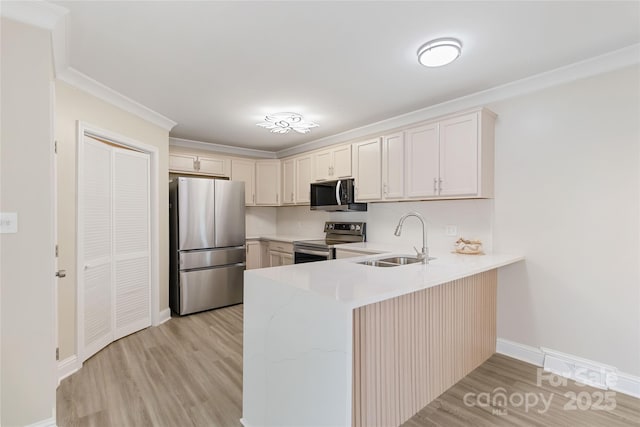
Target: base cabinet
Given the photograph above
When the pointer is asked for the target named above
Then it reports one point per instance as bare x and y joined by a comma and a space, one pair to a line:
280, 253
254, 254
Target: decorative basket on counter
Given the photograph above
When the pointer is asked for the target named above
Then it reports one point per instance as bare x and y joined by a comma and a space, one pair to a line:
469, 247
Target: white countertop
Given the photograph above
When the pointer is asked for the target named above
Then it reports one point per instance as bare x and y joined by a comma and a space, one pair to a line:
357, 285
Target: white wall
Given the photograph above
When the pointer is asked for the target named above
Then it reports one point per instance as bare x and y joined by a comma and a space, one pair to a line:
71, 106
567, 197
472, 217
27, 264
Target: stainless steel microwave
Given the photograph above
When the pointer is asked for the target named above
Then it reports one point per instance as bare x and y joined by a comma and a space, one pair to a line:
335, 196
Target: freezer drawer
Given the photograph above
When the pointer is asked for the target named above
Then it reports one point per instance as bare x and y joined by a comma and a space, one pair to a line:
211, 288
211, 257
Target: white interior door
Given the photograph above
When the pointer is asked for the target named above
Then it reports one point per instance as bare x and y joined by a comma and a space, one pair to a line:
96, 297
131, 243
114, 291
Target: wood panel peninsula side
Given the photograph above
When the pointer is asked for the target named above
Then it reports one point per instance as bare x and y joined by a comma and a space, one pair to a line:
343, 344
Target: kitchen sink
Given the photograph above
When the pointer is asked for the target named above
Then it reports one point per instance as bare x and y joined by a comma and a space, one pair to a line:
378, 263
402, 260
392, 261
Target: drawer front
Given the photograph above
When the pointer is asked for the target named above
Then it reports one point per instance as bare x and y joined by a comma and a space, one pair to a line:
281, 246
212, 288
208, 258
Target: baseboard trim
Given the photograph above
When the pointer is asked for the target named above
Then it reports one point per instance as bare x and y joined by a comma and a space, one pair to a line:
67, 367
626, 384
573, 367
523, 352
49, 422
163, 316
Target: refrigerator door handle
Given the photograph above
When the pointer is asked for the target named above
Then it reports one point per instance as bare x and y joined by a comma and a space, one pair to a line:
213, 267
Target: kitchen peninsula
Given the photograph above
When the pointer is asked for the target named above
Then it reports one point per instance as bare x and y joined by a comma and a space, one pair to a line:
338, 343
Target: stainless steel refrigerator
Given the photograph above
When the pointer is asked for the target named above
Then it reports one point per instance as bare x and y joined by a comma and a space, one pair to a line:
206, 243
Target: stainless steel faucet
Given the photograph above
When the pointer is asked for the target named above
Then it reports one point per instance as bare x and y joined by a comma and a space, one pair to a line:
424, 255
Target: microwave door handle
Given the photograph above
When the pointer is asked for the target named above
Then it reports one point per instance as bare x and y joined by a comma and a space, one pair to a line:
338, 183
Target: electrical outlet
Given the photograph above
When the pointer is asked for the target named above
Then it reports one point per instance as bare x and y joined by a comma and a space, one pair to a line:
451, 230
8, 222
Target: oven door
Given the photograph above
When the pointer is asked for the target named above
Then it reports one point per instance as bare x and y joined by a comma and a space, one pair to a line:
303, 254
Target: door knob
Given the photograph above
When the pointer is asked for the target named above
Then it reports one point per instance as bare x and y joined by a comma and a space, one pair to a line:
61, 273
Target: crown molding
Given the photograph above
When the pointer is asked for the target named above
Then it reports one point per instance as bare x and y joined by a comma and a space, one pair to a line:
220, 148
85, 83
53, 18
35, 13
590, 67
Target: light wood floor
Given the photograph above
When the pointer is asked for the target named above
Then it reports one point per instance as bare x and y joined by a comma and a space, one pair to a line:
188, 372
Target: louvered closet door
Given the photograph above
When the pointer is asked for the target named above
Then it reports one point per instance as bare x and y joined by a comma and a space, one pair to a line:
96, 295
131, 242
116, 288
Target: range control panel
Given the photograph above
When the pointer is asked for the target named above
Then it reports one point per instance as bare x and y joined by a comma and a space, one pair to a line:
353, 228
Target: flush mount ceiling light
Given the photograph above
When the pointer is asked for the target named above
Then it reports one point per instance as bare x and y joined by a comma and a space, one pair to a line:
286, 122
439, 52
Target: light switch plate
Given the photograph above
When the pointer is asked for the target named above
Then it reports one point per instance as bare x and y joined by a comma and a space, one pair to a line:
8, 222
451, 230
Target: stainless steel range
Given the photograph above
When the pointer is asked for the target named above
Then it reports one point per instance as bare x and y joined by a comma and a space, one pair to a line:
336, 233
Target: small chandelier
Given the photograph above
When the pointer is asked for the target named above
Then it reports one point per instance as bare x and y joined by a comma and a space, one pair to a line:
286, 122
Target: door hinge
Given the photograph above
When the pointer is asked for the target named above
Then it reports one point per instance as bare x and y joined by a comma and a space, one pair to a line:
56, 251
57, 353
55, 147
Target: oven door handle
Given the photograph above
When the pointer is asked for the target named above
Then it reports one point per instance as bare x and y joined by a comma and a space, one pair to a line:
310, 252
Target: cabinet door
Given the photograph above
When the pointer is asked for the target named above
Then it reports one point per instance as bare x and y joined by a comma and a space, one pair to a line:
341, 162
322, 165
244, 170
213, 166
459, 156
287, 259
422, 161
367, 160
275, 258
268, 182
288, 181
253, 255
393, 166
303, 179
182, 163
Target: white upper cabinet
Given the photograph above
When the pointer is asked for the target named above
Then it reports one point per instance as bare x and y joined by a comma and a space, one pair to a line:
245, 170
288, 181
302, 182
452, 158
201, 165
182, 163
367, 165
322, 165
217, 166
393, 166
334, 163
422, 161
267, 182
459, 156
341, 162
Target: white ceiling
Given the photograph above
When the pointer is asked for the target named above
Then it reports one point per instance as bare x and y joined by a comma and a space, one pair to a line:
216, 68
